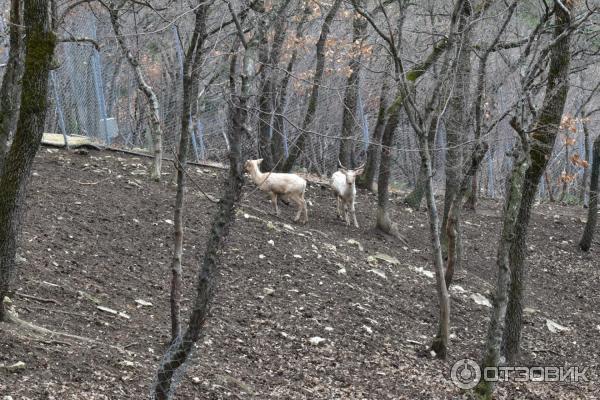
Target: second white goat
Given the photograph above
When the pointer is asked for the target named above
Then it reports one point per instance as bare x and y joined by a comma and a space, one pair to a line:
343, 183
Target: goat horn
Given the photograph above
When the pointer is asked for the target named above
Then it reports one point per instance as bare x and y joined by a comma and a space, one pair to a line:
341, 165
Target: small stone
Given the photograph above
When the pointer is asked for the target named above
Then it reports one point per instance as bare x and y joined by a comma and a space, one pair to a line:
316, 340
271, 242
261, 256
268, 291
481, 300
168, 221
143, 303
297, 256
356, 243
16, 367
342, 271
378, 273
368, 329
196, 380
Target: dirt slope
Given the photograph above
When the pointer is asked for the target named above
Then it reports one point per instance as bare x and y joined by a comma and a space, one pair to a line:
98, 232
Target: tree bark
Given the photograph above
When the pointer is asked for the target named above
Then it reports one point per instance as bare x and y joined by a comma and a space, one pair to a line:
544, 135
9, 91
588, 233
40, 42
298, 147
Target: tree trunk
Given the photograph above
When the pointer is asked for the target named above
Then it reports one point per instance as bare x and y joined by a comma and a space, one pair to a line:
544, 135
415, 197
9, 91
456, 121
588, 233
40, 42
155, 125
359, 29
367, 179
383, 222
440, 342
454, 218
586, 157
491, 353
191, 73
298, 147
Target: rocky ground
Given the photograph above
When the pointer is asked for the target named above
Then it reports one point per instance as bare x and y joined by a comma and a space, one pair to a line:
94, 262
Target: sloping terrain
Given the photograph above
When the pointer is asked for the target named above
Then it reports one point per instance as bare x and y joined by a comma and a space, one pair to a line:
99, 233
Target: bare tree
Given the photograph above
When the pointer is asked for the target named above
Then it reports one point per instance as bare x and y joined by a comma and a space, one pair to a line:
544, 131
298, 146
154, 110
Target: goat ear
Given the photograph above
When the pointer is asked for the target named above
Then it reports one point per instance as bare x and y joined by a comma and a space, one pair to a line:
259, 161
360, 171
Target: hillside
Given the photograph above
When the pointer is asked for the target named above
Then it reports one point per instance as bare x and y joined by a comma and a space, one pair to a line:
99, 233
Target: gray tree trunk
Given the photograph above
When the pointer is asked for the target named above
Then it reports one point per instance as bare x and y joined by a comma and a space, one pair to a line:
588, 233
9, 91
544, 134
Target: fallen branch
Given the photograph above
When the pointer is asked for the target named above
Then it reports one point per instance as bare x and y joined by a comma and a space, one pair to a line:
44, 331
40, 299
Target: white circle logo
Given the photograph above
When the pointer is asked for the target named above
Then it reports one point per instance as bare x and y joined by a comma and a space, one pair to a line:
465, 373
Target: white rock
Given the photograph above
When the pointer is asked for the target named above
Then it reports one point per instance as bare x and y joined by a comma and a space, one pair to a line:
297, 256
196, 380
268, 291
423, 271
168, 221
271, 242
378, 273
261, 256
316, 340
328, 328
356, 243
342, 271
368, 329
457, 289
481, 300
554, 327
143, 302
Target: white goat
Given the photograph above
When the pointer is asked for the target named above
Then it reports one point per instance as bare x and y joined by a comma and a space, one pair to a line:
343, 185
288, 186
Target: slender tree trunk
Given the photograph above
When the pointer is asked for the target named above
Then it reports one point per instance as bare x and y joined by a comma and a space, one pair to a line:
190, 81
40, 42
266, 102
415, 197
588, 233
491, 352
440, 342
155, 125
454, 217
384, 222
9, 91
456, 121
544, 135
298, 147
359, 29
367, 179
586, 157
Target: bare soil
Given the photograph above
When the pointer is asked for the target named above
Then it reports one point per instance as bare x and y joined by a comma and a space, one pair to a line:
98, 232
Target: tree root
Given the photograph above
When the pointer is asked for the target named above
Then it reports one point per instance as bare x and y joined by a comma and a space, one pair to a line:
14, 319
